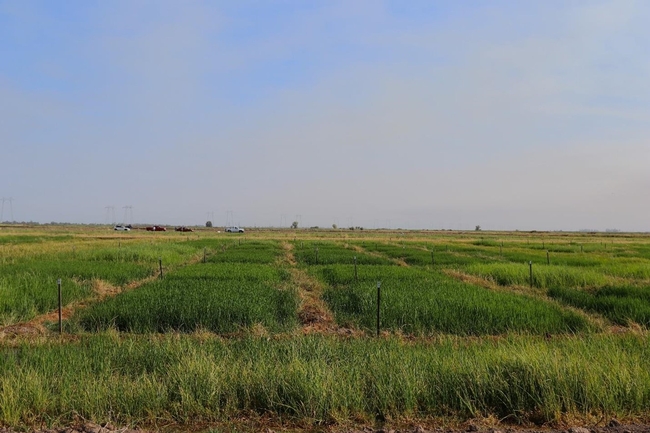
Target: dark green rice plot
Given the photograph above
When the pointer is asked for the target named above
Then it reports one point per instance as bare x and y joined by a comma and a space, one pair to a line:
248, 252
421, 257
621, 305
343, 275
230, 271
323, 253
188, 302
24, 296
544, 276
29, 288
432, 303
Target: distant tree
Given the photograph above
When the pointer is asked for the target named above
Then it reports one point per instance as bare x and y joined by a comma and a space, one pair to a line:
294, 225
208, 224
478, 228
334, 226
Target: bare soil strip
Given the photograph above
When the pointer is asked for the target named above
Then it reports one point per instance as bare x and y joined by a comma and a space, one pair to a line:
313, 313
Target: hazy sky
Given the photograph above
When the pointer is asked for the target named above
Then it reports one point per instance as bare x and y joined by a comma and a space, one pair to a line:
413, 114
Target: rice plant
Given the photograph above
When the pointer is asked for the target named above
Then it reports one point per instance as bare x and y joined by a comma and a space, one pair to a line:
425, 303
221, 298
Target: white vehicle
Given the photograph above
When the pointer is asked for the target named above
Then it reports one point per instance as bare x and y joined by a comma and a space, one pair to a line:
234, 229
122, 228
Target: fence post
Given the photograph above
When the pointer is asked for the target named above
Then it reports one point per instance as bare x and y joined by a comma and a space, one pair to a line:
530, 265
356, 277
548, 259
203, 254
58, 284
160, 265
316, 255
378, 304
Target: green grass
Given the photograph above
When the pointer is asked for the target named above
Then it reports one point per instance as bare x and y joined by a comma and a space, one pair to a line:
621, 305
317, 380
320, 253
415, 256
248, 252
506, 274
221, 298
416, 302
28, 282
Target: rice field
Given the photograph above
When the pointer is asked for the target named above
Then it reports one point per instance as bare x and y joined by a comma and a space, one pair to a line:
222, 298
281, 325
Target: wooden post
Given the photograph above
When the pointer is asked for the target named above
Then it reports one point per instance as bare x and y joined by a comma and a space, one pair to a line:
203, 254
548, 259
356, 276
160, 265
530, 265
378, 305
58, 284
316, 255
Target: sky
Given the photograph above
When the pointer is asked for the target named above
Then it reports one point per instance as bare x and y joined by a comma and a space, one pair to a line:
511, 115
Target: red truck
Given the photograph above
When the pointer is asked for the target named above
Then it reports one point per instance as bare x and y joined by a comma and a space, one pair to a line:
156, 229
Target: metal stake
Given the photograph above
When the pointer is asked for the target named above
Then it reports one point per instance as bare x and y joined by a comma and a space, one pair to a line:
58, 284
378, 304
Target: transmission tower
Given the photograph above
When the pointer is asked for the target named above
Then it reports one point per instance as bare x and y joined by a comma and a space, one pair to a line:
128, 214
110, 214
11, 208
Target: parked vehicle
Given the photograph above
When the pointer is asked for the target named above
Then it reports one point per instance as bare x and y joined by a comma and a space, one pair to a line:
156, 229
122, 228
183, 229
234, 229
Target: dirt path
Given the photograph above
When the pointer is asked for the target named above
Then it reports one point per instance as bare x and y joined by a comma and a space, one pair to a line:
313, 313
